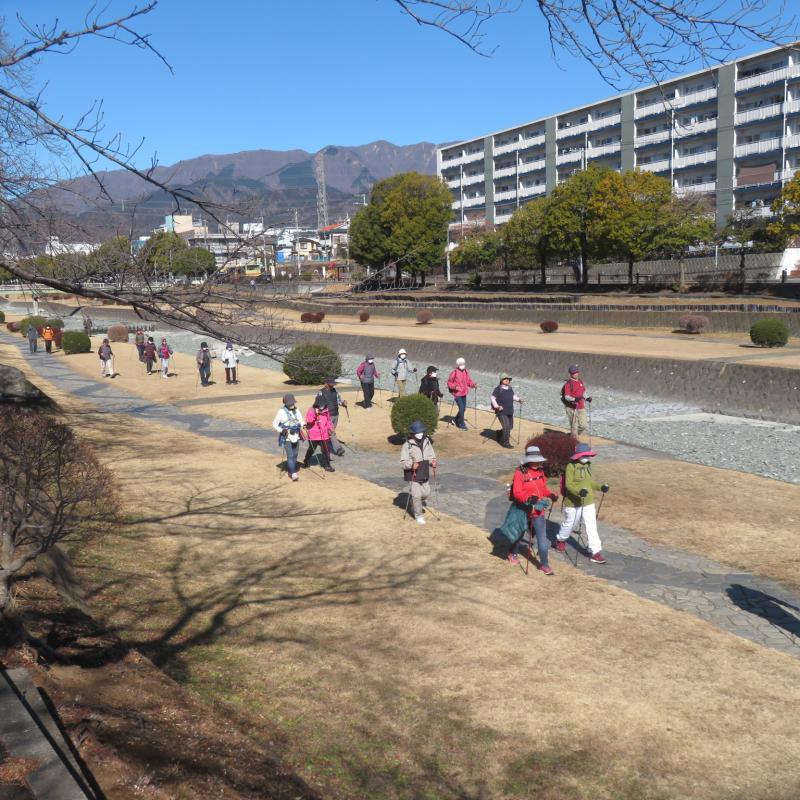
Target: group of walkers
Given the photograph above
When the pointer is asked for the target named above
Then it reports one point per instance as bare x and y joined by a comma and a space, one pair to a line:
48, 335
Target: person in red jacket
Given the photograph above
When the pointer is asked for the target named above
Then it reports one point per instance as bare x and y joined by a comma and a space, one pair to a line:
318, 425
530, 491
459, 383
573, 396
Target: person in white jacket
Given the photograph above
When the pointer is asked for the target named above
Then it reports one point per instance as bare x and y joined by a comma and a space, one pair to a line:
230, 360
289, 424
402, 370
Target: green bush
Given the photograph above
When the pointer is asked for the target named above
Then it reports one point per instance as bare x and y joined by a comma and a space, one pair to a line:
55, 322
2, 317
76, 342
769, 333
37, 322
309, 364
410, 407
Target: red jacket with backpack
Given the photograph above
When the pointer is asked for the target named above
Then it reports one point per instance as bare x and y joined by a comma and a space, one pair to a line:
576, 389
460, 382
531, 482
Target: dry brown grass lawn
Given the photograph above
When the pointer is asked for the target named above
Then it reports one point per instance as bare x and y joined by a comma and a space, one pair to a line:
746, 521
385, 661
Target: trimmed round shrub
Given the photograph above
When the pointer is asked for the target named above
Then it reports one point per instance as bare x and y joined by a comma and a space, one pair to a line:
363, 315
76, 342
411, 407
769, 333
55, 322
556, 447
309, 363
118, 333
13, 326
424, 317
549, 326
693, 323
319, 316
308, 316
2, 317
59, 338
37, 322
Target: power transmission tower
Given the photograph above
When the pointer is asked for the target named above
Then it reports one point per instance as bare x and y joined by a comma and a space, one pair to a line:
322, 194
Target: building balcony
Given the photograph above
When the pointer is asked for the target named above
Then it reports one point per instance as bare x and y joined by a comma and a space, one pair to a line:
792, 106
738, 183
506, 172
655, 166
791, 141
469, 180
472, 202
454, 183
768, 77
605, 122
755, 114
758, 211
531, 166
603, 150
651, 138
697, 188
682, 131
568, 158
509, 194
694, 159
659, 107
702, 96
503, 216
765, 146
572, 130
508, 147
532, 141
468, 158
788, 174
530, 191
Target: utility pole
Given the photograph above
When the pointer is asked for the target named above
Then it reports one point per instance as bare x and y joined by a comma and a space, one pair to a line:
322, 193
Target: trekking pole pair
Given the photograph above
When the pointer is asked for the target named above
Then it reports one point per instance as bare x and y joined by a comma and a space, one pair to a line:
491, 428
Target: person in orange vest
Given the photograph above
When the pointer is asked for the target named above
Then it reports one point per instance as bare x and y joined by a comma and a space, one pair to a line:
48, 334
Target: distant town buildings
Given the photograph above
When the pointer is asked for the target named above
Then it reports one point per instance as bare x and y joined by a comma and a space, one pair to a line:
731, 132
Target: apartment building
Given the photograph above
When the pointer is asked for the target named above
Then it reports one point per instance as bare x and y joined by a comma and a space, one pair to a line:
731, 132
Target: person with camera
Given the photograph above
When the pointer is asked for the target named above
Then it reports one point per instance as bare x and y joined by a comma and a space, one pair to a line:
289, 424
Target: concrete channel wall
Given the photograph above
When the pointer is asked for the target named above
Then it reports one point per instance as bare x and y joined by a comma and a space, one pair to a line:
728, 321
739, 389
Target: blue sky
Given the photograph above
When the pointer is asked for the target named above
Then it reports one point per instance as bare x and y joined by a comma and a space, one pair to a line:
284, 74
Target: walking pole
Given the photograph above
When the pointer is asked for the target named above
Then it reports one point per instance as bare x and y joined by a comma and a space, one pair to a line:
358, 391
408, 498
580, 535
450, 415
475, 391
600, 505
434, 491
519, 422
590, 424
491, 428
352, 445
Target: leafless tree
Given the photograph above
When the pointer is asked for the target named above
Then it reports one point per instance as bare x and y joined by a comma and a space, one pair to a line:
624, 40
52, 489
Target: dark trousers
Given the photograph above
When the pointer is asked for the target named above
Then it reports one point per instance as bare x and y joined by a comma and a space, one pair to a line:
48, 345
506, 424
230, 374
324, 452
369, 393
149, 364
205, 373
461, 402
33, 344
140, 348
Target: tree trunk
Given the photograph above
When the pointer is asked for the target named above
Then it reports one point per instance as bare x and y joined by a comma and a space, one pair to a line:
5, 593
543, 268
398, 276
584, 260
630, 272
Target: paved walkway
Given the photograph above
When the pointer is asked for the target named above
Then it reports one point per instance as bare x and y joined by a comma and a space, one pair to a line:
755, 608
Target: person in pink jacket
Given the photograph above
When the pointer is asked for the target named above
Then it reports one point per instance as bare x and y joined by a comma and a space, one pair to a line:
459, 383
319, 426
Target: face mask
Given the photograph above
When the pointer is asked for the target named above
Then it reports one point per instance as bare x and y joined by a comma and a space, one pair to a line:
370, 361
584, 460
433, 374
418, 436
461, 367
402, 357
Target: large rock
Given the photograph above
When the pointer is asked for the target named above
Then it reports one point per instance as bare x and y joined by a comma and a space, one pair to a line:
17, 389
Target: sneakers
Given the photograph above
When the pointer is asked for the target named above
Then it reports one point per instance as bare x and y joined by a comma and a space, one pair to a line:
340, 452
507, 446
294, 476
597, 558
420, 520
512, 558
560, 546
329, 468
546, 570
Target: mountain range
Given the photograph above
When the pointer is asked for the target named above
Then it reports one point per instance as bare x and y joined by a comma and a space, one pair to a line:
246, 185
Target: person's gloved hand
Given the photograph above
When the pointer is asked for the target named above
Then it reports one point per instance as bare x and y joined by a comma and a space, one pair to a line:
531, 501
583, 493
604, 488
554, 497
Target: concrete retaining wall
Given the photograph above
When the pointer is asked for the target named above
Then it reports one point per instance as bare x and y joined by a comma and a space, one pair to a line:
729, 321
766, 392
